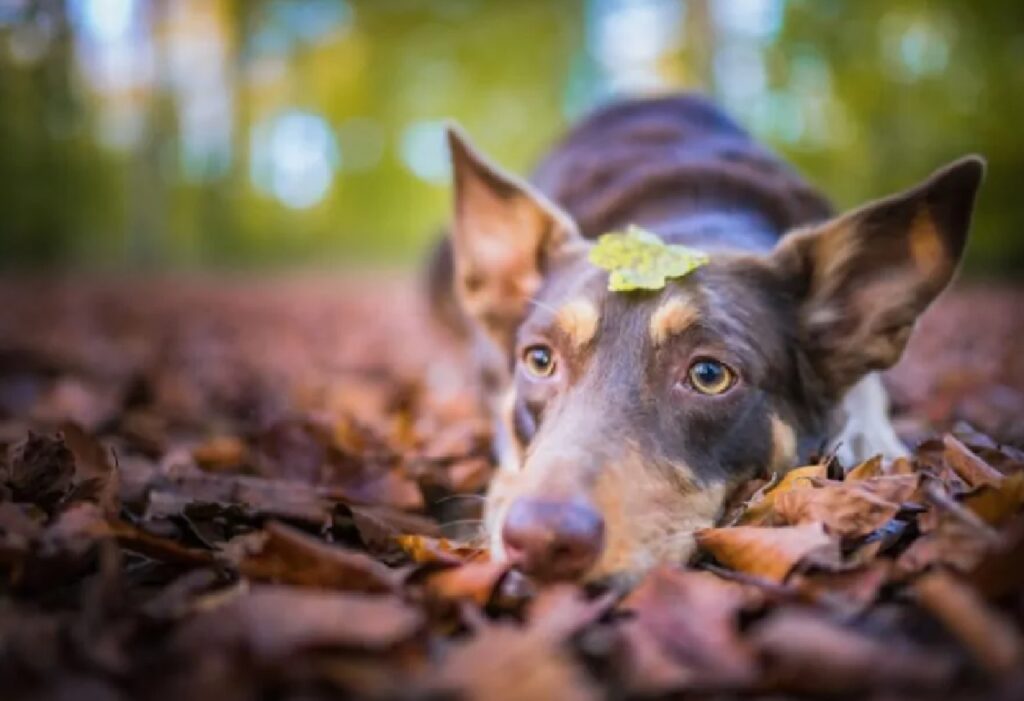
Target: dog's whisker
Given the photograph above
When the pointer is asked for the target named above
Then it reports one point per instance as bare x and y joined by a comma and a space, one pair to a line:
542, 305
478, 542
478, 497
463, 522
471, 535
464, 529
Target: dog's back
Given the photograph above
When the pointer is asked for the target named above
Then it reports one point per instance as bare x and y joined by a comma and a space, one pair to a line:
674, 165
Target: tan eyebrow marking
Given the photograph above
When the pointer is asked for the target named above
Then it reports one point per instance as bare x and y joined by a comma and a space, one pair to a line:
674, 315
578, 320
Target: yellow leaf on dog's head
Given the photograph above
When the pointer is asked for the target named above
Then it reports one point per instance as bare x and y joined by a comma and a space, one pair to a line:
638, 260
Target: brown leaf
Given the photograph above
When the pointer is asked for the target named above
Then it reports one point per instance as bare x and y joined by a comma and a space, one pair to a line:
561, 610
65, 547
771, 553
872, 467
423, 549
512, 664
275, 622
972, 469
740, 499
40, 470
1000, 573
290, 556
159, 548
96, 475
473, 581
902, 466
998, 503
956, 546
220, 453
845, 509
960, 533
761, 509
991, 639
380, 526
686, 633
521, 663
853, 590
390, 487
899, 488
807, 653
263, 497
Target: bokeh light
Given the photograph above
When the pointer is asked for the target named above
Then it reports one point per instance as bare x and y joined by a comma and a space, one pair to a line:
271, 131
295, 155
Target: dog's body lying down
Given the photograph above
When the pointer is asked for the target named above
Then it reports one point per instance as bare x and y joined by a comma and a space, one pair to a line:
623, 419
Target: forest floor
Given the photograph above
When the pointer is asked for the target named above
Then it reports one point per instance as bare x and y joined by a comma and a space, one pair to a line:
265, 488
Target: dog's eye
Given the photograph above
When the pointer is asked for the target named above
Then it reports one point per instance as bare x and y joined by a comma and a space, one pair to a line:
539, 360
710, 376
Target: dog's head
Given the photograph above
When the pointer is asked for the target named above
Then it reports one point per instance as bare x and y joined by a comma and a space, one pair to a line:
633, 414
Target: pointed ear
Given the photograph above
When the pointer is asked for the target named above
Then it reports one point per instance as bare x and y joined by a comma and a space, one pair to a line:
506, 236
863, 279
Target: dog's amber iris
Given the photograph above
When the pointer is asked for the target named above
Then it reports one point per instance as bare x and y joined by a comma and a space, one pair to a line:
539, 360
710, 376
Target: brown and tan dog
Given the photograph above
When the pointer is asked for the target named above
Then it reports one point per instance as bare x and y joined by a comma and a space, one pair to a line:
624, 419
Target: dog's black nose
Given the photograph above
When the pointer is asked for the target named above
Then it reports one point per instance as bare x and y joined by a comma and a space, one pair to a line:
553, 539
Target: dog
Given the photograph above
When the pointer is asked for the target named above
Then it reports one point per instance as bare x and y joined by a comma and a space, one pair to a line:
624, 419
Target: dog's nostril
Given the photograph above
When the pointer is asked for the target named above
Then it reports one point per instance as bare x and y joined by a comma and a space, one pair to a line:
553, 539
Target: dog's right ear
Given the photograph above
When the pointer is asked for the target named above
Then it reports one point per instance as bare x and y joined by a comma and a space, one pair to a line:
505, 237
864, 278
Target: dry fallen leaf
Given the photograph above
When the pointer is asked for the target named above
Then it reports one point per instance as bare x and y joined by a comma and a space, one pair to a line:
771, 553
844, 509
290, 556
872, 467
513, 663
994, 642
804, 652
850, 590
421, 548
96, 474
473, 581
999, 573
220, 453
273, 622
996, 504
687, 624
760, 510
972, 469
960, 533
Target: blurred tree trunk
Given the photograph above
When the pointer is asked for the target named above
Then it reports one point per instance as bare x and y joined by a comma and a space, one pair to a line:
699, 35
148, 213
243, 13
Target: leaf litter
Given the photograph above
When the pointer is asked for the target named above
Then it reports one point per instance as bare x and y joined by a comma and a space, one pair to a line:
207, 494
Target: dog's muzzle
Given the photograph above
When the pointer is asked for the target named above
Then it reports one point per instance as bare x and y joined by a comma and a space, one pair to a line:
553, 539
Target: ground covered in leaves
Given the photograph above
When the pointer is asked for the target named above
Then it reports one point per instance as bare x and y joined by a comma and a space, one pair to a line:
268, 489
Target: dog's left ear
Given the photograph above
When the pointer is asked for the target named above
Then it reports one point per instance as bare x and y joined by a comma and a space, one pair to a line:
864, 278
506, 236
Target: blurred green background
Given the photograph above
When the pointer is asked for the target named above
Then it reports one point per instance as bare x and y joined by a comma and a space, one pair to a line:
253, 133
